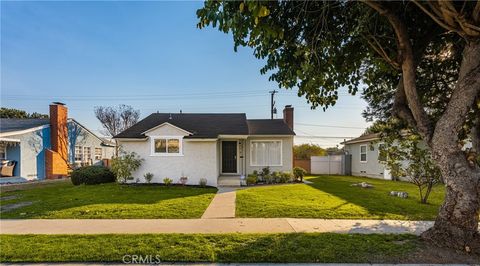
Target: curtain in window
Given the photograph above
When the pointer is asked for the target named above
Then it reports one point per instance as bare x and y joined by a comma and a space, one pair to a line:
266, 153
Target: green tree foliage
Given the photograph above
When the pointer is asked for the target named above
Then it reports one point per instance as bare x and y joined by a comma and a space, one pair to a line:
420, 169
416, 62
305, 151
124, 165
16, 113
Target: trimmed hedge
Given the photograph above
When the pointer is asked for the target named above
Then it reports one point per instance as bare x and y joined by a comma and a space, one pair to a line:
91, 175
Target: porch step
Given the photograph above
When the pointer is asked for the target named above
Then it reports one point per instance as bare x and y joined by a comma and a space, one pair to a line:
229, 181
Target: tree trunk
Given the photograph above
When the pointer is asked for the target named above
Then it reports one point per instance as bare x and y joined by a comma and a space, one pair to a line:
456, 225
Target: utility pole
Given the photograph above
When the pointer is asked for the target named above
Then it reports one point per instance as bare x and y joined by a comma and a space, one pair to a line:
273, 110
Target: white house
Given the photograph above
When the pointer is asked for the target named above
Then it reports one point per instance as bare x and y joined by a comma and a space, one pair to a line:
220, 147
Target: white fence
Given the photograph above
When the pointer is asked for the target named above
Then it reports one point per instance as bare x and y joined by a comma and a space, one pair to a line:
327, 165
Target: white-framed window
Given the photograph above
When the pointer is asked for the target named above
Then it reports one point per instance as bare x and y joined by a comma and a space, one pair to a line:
87, 154
363, 153
78, 153
166, 146
381, 152
266, 153
98, 153
3, 151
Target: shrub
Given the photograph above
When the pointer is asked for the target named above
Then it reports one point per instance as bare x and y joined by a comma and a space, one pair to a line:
183, 180
167, 181
125, 164
285, 177
251, 179
299, 173
91, 175
275, 177
265, 171
148, 177
268, 179
202, 182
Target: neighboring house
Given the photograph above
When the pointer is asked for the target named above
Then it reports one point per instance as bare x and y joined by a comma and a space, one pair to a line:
44, 148
218, 147
366, 159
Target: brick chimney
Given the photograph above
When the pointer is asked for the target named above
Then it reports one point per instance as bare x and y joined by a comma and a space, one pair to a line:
57, 157
288, 116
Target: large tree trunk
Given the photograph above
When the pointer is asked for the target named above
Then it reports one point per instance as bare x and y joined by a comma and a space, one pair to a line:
456, 225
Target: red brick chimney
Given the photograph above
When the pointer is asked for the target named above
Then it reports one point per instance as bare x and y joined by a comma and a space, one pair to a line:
288, 116
57, 157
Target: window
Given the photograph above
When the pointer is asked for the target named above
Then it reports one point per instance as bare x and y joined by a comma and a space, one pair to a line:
78, 153
98, 153
167, 146
363, 153
266, 153
381, 152
3, 151
87, 154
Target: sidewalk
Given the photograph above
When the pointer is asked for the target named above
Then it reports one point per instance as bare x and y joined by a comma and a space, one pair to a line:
210, 226
222, 205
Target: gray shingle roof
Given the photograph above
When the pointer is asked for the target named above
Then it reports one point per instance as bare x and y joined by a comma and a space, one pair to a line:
201, 125
363, 138
15, 124
268, 127
209, 125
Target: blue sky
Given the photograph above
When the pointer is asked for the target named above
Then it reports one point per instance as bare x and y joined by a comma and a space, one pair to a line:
146, 54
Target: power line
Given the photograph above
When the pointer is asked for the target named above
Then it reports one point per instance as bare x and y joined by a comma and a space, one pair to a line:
324, 137
330, 126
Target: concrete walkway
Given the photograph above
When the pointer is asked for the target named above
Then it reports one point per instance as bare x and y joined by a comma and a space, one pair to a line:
222, 205
209, 226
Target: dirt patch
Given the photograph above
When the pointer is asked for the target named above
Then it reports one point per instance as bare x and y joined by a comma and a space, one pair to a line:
13, 206
428, 253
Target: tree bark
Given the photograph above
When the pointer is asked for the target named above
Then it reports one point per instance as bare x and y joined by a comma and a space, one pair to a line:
456, 225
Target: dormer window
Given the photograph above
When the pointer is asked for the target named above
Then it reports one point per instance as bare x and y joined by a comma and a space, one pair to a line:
166, 146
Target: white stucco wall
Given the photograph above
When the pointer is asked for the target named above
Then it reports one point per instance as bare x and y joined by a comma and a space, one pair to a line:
199, 159
287, 154
372, 167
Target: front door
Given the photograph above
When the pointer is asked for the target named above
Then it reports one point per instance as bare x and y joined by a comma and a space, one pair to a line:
229, 157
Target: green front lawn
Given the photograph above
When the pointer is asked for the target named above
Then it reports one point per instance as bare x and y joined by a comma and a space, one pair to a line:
332, 197
295, 247
109, 201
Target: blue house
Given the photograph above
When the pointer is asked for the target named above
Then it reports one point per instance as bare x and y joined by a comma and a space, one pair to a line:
28, 143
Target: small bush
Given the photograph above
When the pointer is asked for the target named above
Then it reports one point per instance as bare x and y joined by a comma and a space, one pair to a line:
299, 173
183, 180
91, 175
148, 177
202, 182
285, 177
265, 171
275, 177
167, 181
268, 179
251, 179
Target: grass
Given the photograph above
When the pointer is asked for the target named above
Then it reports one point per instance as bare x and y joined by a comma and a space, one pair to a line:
332, 197
295, 247
109, 201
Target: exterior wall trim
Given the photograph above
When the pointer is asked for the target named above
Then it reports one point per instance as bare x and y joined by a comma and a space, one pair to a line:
19, 132
166, 123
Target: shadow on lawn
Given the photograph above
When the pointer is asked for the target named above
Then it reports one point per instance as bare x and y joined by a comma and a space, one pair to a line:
377, 200
66, 196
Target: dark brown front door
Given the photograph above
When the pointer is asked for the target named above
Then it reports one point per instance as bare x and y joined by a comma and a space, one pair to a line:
229, 156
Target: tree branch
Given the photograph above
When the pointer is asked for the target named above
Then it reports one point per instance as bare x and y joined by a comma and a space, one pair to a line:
408, 66
435, 18
378, 48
